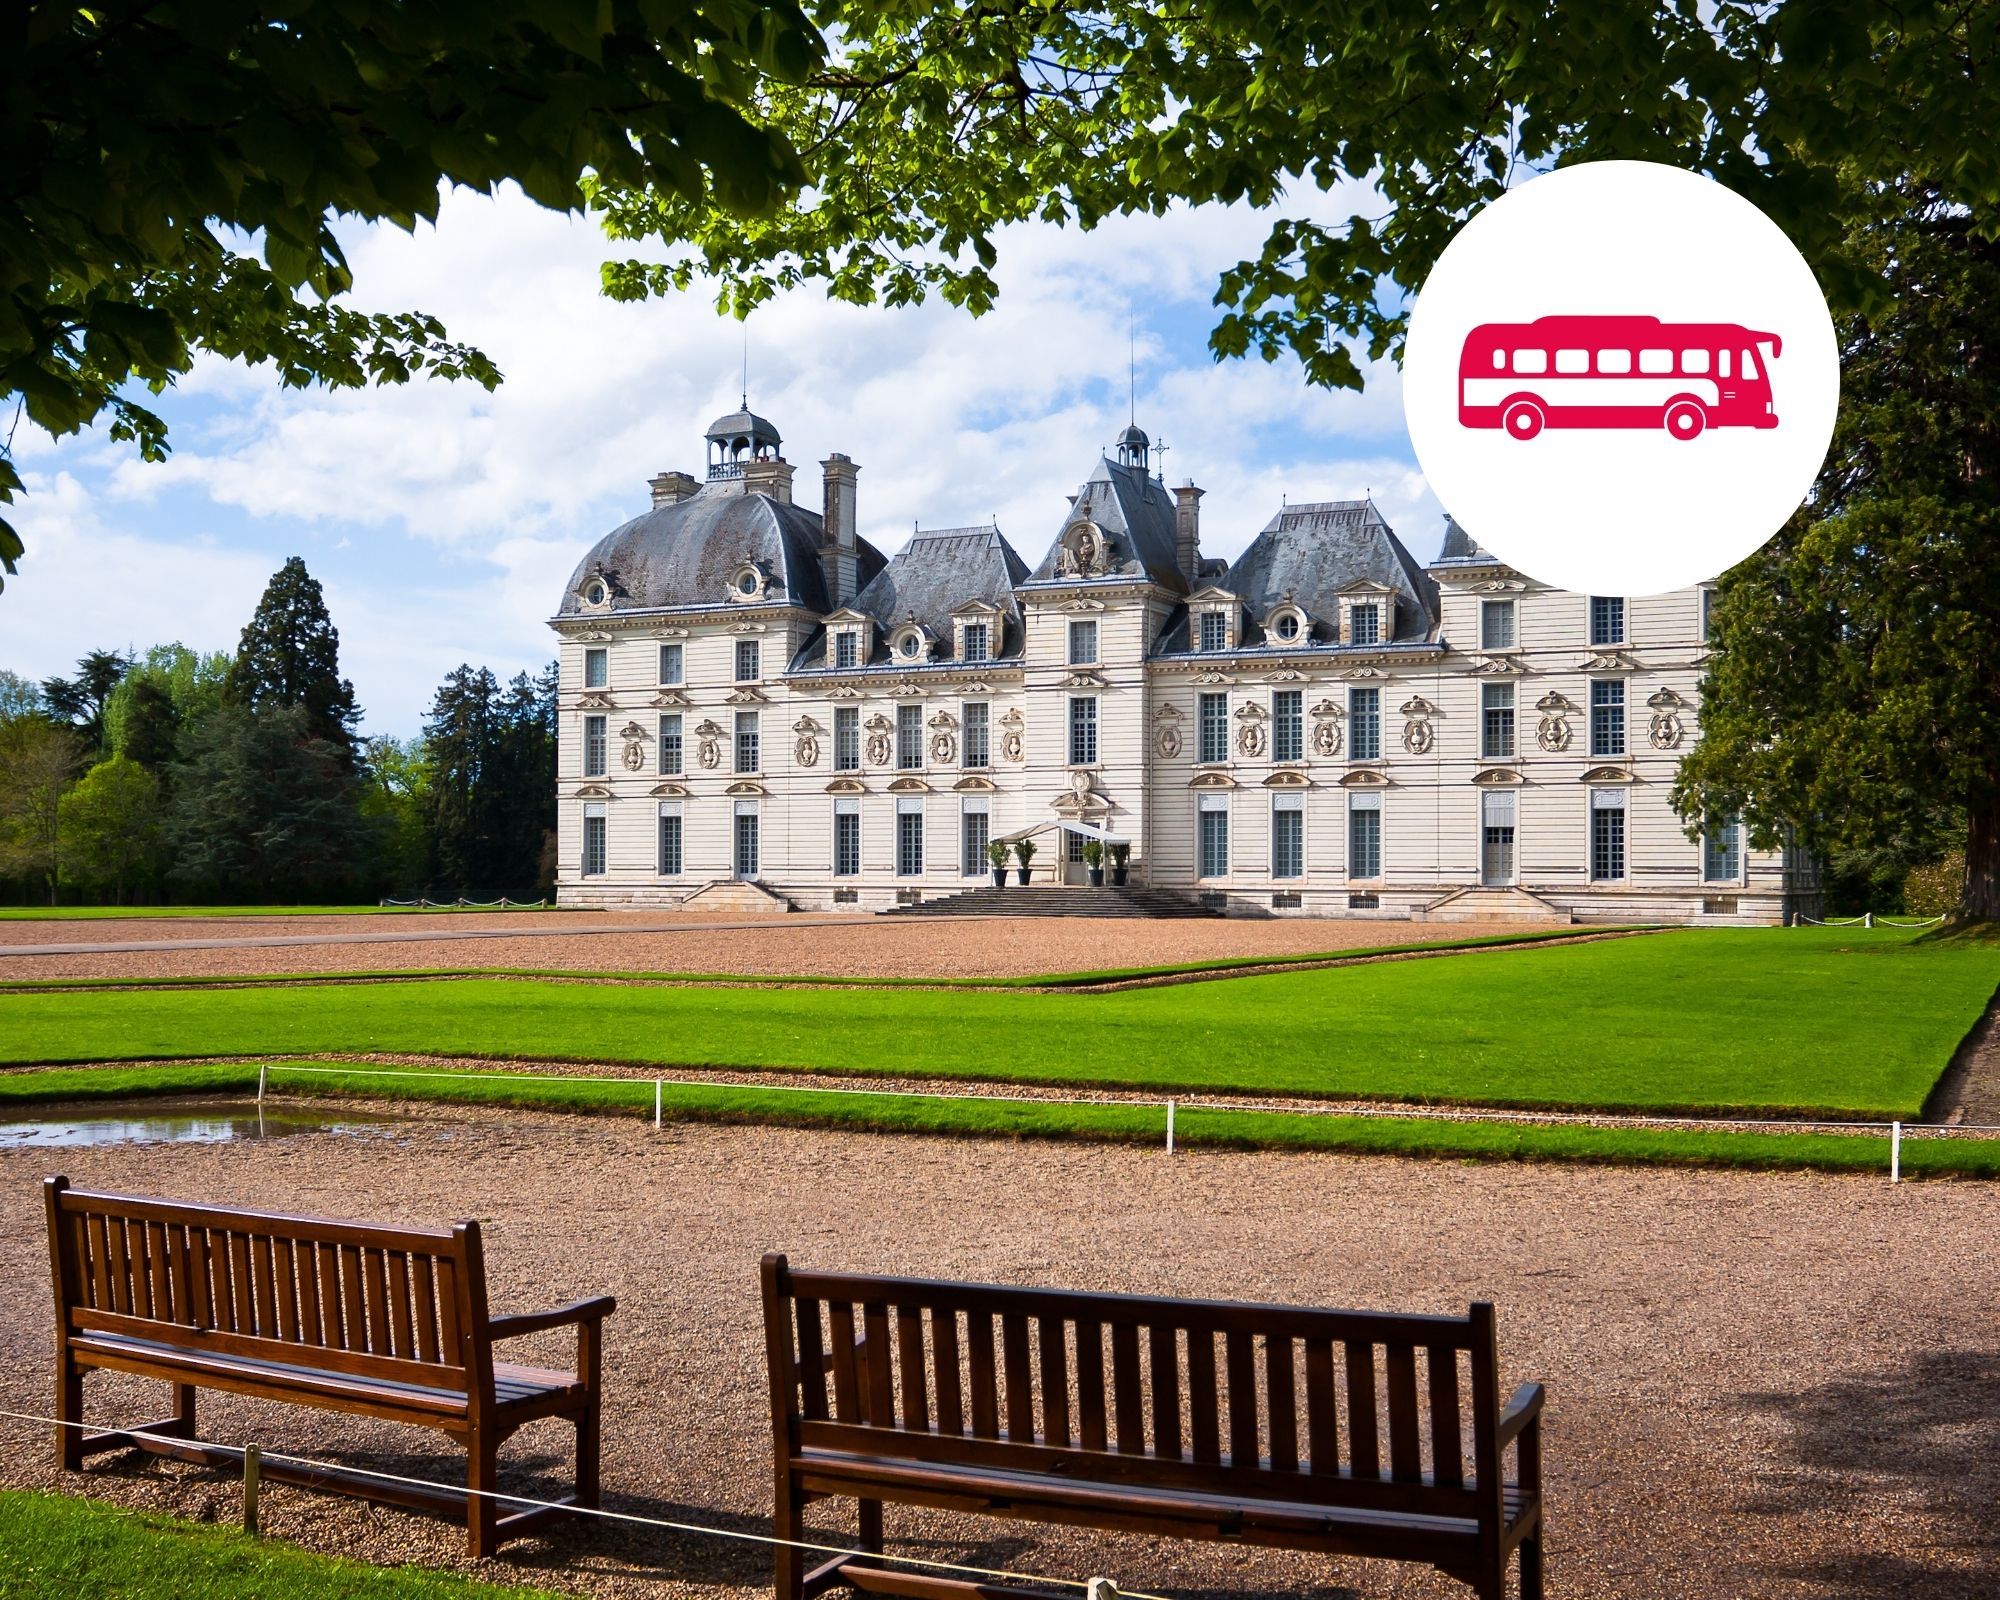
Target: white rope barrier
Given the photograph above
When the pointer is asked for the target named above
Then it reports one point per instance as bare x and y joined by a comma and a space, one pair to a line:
1867, 919
463, 904
256, 1454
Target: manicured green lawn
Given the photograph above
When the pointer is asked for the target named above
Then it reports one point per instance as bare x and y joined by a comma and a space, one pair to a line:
100, 913
52, 1545
1826, 1021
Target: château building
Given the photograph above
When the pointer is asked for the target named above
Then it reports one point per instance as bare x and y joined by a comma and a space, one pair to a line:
760, 709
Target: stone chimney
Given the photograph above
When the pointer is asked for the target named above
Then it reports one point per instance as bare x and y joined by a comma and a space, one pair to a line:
840, 556
671, 488
1187, 531
772, 475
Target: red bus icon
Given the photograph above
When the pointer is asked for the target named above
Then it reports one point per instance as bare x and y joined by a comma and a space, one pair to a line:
1615, 372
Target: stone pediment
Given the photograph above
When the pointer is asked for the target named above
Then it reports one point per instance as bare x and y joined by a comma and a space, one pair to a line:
1608, 661
1086, 678
847, 786
747, 695
595, 700
671, 699
1081, 603
1212, 677
1285, 675
1609, 775
1495, 777
976, 785
591, 636
1500, 667
593, 791
973, 608
1364, 671
1288, 778
1168, 713
909, 786
746, 786
1213, 780
904, 689
668, 791
1365, 586
1365, 778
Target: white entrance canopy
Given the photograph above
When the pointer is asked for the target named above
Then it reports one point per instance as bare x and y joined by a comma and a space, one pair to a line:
1088, 829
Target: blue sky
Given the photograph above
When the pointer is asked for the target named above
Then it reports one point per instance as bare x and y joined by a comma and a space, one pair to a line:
443, 521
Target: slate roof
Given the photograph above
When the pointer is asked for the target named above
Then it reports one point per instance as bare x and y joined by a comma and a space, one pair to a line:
939, 571
1130, 505
687, 554
1461, 547
1311, 552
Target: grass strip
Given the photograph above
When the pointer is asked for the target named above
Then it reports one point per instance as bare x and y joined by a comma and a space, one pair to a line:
85, 1550
1801, 1022
1777, 1150
1220, 966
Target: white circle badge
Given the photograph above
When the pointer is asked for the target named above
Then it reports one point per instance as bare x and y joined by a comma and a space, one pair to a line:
1621, 378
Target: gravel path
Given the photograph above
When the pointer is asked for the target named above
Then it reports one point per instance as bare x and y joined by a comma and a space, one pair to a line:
796, 946
1759, 1385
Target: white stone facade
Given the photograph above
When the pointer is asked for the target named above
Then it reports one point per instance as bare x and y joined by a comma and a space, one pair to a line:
1371, 740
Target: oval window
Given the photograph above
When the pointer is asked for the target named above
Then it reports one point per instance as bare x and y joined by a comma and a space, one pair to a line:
594, 593
746, 581
1288, 626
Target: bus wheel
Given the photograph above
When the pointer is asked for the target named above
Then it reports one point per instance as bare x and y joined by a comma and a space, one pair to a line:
1522, 420
1685, 419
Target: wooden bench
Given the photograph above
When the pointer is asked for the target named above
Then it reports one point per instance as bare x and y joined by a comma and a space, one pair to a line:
378, 1322
1249, 1424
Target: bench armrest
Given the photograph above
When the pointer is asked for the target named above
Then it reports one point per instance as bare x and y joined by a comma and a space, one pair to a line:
1522, 1412
595, 1309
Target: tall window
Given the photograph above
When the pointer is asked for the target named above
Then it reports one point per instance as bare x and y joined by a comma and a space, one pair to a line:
1496, 624
596, 668
1288, 725
593, 747
1214, 721
593, 841
1708, 614
670, 663
1082, 642
846, 738
1214, 836
746, 838
976, 646
1364, 836
1607, 833
1496, 721
1288, 836
1607, 619
1607, 716
847, 838
1364, 724
847, 648
746, 741
1722, 850
670, 744
973, 826
670, 838
746, 661
1214, 630
909, 841
1083, 731
1364, 624
977, 749
909, 736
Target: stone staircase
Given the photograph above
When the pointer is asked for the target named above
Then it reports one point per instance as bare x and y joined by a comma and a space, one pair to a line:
736, 895
1492, 905
1059, 900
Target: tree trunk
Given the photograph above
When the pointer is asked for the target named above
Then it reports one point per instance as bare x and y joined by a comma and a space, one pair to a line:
1981, 898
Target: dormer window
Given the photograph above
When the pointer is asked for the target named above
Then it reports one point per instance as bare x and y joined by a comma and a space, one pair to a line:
594, 592
1364, 623
746, 581
1214, 631
976, 642
1286, 625
847, 648
908, 644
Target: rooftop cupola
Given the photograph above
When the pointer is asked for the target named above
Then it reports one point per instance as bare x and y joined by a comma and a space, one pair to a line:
737, 440
1134, 447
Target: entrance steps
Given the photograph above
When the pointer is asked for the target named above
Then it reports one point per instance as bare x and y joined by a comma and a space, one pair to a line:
736, 895
1488, 904
1059, 900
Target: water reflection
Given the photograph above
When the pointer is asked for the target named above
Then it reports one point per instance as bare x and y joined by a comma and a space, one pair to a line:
181, 1122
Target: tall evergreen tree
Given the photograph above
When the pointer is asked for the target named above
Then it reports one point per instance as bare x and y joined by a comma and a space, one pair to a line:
290, 656
525, 778
461, 735
1853, 695
79, 701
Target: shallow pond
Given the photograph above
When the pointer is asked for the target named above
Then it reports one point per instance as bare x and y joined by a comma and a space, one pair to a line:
180, 1122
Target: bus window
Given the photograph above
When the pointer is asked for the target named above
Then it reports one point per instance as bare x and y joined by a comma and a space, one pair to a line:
1694, 361
1614, 361
1499, 360
1723, 360
1572, 361
1656, 361
1531, 361
1750, 367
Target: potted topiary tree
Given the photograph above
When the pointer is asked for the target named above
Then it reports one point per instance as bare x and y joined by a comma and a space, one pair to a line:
996, 855
1093, 858
1024, 852
1121, 855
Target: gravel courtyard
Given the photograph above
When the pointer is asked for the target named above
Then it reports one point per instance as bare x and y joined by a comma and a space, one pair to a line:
1758, 1385
793, 946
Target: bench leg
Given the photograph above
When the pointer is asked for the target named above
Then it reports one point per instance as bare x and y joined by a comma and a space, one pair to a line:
184, 1409
871, 1527
1531, 1566
588, 1454
482, 1512
788, 1562
69, 1410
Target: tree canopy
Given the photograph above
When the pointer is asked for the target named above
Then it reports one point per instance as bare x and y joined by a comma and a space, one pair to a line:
289, 655
145, 147
1372, 131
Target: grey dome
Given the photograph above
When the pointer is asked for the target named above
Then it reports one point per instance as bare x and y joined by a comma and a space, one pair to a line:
744, 426
691, 553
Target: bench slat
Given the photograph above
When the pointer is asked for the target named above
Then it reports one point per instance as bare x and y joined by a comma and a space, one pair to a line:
944, 1358
846, 1385
1092, 1427
1322, 1409
1163, 1357
454, 1339
1240, 1359
1447, 1456
910, 1366
375, 1285
1363, 1447
399, 1341
310, 1322
138, 1209
1204, 1413
427, 1306
878, 1401
812, 1361
1020, 1385
979, 1367
1405, 1446
1127, 1392
1281, 1404
353, 1313
1051, 1333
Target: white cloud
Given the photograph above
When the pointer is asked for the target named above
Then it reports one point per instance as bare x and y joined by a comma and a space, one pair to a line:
443, 520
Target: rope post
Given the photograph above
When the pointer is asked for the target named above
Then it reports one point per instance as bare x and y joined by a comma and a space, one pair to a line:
659, 1091
1895, 1152
252, 1472
1170, 1127
1867, 919
263, 1076
1100, 1589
